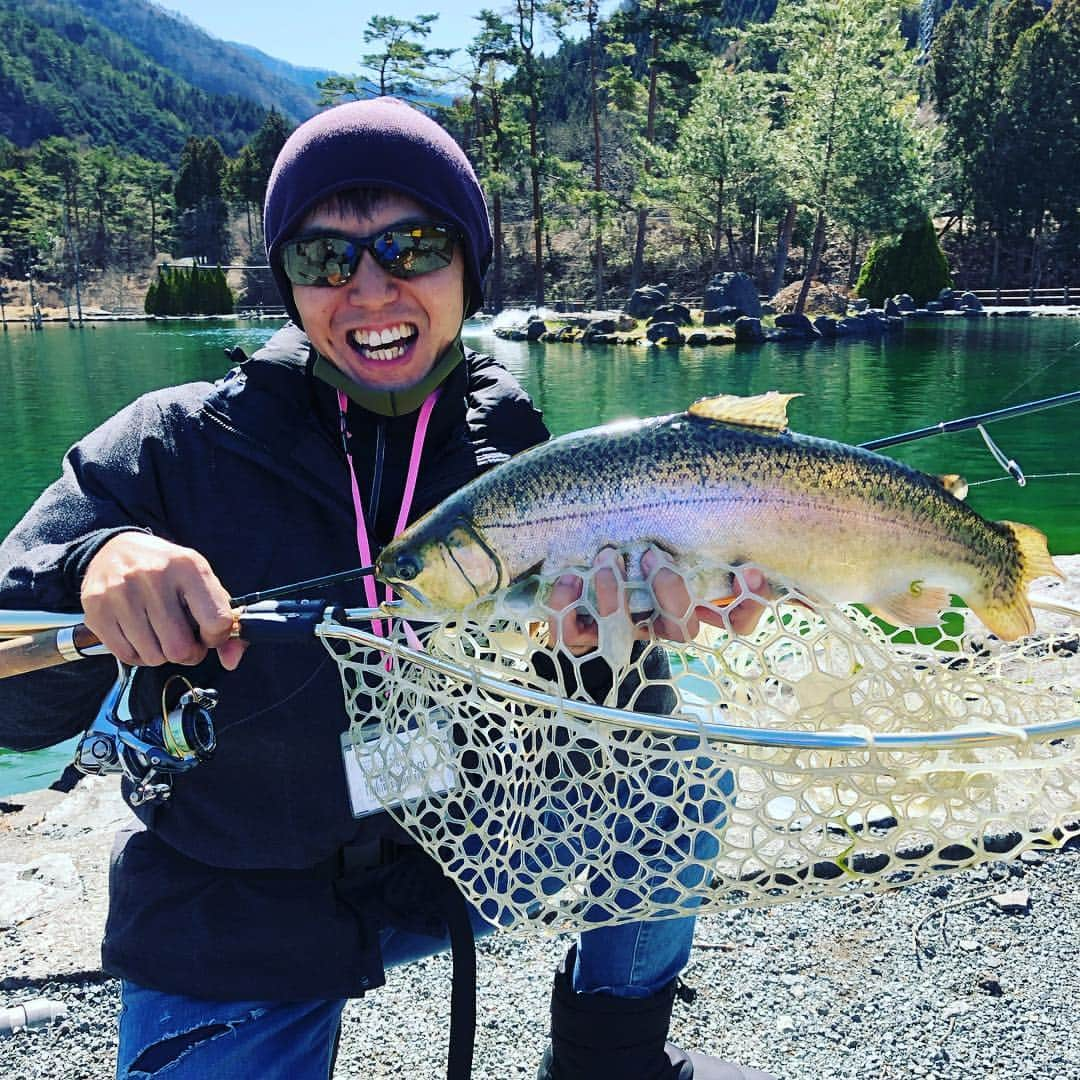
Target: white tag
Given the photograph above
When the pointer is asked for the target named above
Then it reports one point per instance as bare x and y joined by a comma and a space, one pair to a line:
424, 774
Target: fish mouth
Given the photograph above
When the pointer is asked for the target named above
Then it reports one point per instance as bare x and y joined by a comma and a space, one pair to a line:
415, 595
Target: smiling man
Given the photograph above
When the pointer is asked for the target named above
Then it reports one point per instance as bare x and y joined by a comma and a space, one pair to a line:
269, 882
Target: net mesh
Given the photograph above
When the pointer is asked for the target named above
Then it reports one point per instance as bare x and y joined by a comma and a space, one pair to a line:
819, 751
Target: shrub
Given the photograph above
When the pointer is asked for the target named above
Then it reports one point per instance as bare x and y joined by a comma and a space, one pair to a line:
192, 291
912, 262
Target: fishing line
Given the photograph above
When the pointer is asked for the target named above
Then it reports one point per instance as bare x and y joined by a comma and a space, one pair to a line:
1041, 371
1033, 476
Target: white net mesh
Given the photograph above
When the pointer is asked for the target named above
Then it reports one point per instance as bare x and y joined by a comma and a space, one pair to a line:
821, 750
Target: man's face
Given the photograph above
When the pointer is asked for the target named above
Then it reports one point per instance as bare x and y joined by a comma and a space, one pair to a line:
383, 332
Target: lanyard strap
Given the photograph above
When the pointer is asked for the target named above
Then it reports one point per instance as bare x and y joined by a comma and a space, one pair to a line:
362, 541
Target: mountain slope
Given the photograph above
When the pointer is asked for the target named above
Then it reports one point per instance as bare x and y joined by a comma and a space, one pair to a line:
213, 65
303, 77
63, 73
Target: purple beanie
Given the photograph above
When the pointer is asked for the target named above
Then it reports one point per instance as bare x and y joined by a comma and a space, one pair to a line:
381, 143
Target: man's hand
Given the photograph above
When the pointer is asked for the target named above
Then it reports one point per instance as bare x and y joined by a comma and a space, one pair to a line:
152, 602
673, 616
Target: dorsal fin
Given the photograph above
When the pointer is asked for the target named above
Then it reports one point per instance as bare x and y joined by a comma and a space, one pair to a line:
768, 411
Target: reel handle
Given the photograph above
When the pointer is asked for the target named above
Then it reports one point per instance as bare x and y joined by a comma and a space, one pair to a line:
45, 648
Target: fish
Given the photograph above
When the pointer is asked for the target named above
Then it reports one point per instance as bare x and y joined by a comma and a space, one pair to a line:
725, 483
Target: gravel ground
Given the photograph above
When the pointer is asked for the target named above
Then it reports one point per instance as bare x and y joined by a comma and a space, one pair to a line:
810, 991
951, 978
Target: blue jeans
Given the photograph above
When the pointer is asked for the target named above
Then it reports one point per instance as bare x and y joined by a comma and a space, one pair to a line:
182, 1038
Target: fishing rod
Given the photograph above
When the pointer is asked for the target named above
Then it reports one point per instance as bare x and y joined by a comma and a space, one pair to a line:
968, 422
49, 638
41, 639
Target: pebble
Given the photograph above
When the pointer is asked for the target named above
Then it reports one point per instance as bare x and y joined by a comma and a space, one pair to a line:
894, 1024
874, 1008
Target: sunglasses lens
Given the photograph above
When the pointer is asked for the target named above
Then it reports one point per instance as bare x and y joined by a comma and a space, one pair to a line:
405, 251
412, 250
319, 260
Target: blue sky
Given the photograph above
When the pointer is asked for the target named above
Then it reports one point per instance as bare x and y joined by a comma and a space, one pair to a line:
325, 33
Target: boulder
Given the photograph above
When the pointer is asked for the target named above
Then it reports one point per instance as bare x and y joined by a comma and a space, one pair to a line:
562, 333
872, 323
602, 326
934, 305
676, 313
825, 326
664, 331
625, 323
970, 302
748, 329
947, 299
733, 290
798, 323
723, 316
724, 337
892, 307
534, 329
698, 337
905, 302
644, 301
859, 304
975, 313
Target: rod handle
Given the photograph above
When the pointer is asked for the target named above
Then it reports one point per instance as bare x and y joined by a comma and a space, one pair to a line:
43, 649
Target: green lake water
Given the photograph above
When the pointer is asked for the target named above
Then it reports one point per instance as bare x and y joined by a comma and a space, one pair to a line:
58, 384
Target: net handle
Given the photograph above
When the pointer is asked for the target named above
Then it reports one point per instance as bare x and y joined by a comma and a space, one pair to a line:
777, 738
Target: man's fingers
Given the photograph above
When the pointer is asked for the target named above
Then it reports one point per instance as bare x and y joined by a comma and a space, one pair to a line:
231, 652
151, 601
608, 578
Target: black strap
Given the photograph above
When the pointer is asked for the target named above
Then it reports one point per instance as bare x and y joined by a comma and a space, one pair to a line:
463, 989
405, 887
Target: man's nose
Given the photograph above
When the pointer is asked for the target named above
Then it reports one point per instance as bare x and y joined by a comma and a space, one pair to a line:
370, 283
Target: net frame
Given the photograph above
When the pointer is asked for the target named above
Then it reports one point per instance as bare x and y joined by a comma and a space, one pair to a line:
554, 813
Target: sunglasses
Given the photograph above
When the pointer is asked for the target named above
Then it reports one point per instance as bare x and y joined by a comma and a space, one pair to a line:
405, 251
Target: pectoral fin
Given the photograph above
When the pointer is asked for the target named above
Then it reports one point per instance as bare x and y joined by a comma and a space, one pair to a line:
917, 605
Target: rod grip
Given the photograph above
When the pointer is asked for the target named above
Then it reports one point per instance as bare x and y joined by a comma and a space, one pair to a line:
43, 649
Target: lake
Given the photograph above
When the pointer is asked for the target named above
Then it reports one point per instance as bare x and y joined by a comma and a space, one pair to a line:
59, 383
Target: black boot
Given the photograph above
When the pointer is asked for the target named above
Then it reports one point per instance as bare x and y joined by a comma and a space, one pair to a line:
601, 1037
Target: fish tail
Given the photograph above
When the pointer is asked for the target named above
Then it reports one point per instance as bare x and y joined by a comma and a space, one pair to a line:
1012, 617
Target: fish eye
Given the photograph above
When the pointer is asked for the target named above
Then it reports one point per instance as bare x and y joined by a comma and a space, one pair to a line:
407, 568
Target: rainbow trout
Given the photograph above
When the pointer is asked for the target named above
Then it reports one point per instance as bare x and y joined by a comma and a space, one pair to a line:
726, 483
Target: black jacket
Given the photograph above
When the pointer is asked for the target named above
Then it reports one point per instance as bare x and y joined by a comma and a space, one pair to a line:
217, 897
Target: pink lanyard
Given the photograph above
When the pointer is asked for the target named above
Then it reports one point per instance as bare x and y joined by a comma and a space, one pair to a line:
362, 541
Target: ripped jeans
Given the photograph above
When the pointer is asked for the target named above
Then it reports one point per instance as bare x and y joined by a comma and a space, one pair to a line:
175, 1037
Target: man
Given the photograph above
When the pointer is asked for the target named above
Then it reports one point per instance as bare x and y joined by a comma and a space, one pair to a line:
247, 908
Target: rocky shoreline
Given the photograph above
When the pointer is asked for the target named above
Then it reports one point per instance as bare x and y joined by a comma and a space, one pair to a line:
971, 976
731, 312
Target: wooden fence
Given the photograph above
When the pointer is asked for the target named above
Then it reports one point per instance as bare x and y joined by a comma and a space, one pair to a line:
1058, 295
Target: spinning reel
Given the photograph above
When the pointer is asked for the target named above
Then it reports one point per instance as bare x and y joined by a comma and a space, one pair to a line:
148, 752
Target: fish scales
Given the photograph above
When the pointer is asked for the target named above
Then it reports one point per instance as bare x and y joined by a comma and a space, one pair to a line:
841, 522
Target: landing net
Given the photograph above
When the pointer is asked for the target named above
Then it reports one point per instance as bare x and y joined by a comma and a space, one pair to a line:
822, 751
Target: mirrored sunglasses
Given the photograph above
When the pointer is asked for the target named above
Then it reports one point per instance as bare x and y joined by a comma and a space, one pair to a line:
405, 251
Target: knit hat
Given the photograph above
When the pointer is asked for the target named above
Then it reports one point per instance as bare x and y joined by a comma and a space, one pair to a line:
380, 143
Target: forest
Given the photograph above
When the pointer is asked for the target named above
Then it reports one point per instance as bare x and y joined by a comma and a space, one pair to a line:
670, 140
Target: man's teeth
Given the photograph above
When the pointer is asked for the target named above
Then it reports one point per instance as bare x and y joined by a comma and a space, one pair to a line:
387, 344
